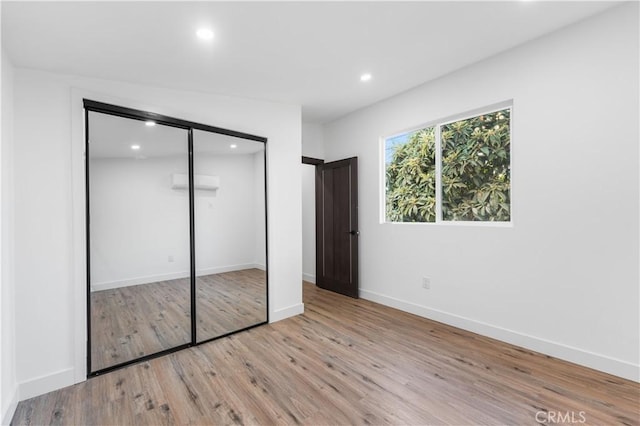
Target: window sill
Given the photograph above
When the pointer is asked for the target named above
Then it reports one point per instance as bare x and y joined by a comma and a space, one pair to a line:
454, 224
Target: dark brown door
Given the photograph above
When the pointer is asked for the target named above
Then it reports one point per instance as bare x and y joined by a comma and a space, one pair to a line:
337, 226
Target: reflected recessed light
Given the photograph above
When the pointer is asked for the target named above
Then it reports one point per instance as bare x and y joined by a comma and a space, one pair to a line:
204, 34
233, 146
150, 123
365, 77
135, 147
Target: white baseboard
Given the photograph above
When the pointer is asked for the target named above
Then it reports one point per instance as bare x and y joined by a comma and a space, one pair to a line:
575, 355
172, 276
230, 268
290, 311
309, 278
43, 384
10, 410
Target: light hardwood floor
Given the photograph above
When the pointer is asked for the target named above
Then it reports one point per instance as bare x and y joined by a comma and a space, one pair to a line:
344, 361
130, 322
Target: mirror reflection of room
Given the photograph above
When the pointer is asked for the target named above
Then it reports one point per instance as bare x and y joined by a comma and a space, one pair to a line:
230, 233
140, 259
139, 239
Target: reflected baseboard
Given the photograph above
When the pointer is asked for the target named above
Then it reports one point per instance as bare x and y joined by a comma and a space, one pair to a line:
128, 282
310, 278
231, 268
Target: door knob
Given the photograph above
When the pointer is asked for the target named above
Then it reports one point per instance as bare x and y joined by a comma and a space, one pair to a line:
354, 232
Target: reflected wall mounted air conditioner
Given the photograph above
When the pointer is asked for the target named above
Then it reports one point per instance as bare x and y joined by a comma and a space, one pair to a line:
181, 181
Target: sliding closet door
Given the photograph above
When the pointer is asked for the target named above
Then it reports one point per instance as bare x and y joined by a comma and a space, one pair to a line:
139, 239
230, 234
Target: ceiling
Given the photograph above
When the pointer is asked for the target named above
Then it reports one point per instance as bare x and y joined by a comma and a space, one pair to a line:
112, 137
306, 53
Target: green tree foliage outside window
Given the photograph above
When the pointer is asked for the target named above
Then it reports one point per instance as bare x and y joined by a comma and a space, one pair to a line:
475, 173
411, 178
476, 176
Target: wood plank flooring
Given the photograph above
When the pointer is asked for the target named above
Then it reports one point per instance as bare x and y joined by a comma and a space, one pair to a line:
130, 322
344, 361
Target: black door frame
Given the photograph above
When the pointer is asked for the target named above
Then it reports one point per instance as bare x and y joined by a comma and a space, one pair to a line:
190, 126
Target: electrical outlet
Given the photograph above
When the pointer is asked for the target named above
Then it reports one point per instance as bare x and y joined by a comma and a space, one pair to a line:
426, 283
170, 259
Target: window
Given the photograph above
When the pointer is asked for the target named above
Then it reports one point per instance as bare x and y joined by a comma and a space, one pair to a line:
453, 171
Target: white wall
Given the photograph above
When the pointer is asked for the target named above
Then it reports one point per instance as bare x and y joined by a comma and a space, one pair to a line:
49, 211
564, 279
8, 384
230, 234
308, 173
140, 224
313, 140
312, 146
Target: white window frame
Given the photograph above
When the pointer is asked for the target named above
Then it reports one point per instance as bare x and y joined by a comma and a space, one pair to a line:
437, 124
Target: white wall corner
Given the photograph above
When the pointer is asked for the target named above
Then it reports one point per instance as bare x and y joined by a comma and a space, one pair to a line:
9, 396
10, 409
578, 356
78, 224
284, 313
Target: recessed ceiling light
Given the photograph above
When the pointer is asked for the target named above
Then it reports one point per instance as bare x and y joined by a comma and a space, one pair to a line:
233, 146
135, 147
204, 34
150, 123
365, 77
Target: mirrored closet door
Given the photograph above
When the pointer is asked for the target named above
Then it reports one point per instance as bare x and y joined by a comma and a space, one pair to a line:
230, 237
176, 234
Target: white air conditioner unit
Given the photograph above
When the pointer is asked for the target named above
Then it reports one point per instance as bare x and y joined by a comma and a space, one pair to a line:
181, 181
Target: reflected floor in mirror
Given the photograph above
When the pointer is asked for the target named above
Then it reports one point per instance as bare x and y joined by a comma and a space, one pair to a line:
131, 322
230, 301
